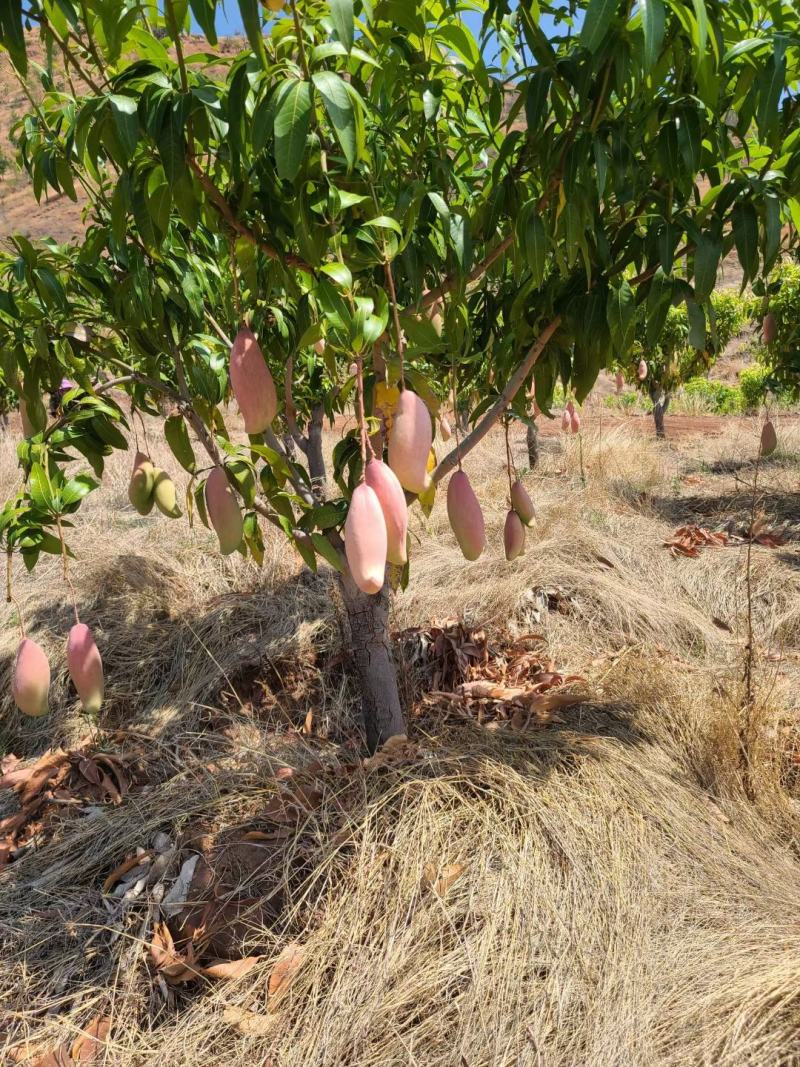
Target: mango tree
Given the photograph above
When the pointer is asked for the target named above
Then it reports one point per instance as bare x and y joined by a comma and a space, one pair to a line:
358, 207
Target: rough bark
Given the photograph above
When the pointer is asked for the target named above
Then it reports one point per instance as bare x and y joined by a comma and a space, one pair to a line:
660, 400
370, 646
532, 441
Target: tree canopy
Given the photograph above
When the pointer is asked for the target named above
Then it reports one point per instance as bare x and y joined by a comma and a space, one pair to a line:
359, 182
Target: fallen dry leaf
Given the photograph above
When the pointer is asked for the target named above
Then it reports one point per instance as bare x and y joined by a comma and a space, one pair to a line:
89, 1046
229, 968
119, 872
439, 879
284, 972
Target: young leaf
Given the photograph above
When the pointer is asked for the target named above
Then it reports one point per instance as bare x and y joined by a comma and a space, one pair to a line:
291, 127
342, 19
341, 111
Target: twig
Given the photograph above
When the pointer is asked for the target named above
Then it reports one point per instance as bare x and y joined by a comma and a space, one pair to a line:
65, 565
10, 598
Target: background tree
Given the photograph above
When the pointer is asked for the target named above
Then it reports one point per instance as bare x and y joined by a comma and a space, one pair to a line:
350, 173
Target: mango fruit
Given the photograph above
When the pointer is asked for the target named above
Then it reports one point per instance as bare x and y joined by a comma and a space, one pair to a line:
165, 495
392, 500
769, 328
465, 515
444, 428
30, 681
140, 487
410, 442
641, 370
513, 536
769, 439
319, 346
574, 421
224, 512
366, 539
522, 503
566, 421
252, 382
85, 667
275, 5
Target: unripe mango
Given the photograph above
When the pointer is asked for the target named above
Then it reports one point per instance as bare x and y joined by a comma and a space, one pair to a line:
619, 381
392, 500
410, 442
513, 536
366, 539
769, 328
465, 515
140, 488
30, 681
224, 511
252, 382
165, 494
641, 370
769, 439
85, 667
522, 503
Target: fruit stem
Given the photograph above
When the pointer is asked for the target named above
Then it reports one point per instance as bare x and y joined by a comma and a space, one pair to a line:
65, 565
366, 444
453, 386
237, 307
509, 458
10, 598
580, 456
387, 266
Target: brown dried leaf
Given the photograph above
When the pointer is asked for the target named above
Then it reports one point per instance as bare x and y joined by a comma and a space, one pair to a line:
118, 872
441, 879
229, 968
88, 1048
284, 971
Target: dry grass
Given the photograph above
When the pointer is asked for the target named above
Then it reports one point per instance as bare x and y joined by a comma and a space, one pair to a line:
622, 900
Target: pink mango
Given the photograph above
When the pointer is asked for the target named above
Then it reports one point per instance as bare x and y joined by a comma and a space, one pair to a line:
392, 500
619, 381
769, 328
252, 383
465, 515
574, 421
513, 535
641, 370
566, 421
522, 503
30, 681
223, 511
366, 539
85, 667
410, 442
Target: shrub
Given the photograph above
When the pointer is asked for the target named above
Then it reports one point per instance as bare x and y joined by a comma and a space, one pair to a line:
753, 385
718, 397
782, 357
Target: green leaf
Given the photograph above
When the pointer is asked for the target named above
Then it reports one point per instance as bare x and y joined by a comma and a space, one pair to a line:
697, 324
431, 99
292, 117
328, 552
772, 231
653, 24
12, 33
342, 19
41, 491
702, 24
599, 16
251, 20
340, 110
621, 315
177, 437
745, 237
124, 111
707, 254
659, 299
205, 12
533, 237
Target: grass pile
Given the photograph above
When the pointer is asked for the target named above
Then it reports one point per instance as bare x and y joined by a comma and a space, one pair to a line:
616, 887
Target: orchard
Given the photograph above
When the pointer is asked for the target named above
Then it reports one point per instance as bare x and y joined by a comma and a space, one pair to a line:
368, 205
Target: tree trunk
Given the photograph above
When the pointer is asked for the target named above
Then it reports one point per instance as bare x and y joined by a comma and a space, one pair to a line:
532, 440
368, 620
660, 400
314, 454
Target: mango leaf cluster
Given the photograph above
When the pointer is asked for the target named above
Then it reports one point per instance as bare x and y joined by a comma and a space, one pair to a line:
353, 161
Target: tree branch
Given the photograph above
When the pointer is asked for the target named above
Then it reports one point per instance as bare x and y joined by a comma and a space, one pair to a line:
513, 384
449, 284
218, 200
